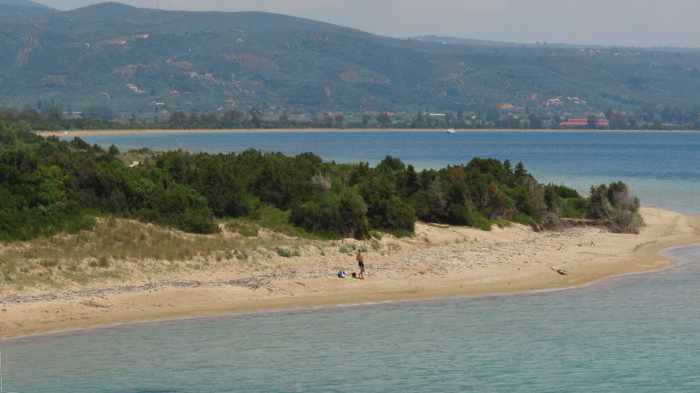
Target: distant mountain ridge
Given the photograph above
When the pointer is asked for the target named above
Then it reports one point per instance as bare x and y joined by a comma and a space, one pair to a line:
446, 40
466, 41
23, 3
135, 60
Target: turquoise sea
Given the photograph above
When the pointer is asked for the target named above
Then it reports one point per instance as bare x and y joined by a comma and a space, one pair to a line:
635, 334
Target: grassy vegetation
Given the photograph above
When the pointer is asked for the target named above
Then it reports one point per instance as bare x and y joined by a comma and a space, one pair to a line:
287, 253
273, 220
118, 248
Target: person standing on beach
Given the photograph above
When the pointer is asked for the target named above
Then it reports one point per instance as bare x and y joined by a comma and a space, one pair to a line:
361, 264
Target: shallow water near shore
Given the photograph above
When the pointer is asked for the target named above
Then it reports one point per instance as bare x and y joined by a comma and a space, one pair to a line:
660, 166
631, 334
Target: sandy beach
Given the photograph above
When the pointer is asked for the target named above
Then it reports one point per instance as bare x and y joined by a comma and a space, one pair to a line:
437, 262
128, 132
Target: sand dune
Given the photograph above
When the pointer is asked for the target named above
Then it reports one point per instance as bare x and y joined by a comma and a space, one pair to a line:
437, 262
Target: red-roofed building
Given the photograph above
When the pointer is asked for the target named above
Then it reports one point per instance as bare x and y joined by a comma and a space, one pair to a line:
585, 123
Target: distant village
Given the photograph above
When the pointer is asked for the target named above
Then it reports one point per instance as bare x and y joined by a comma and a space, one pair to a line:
553, 113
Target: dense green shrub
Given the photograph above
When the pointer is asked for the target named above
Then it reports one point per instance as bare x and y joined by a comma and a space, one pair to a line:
25, 224
467, 215
615, 204
430, 204
180, 206
48, 186
343, 214
400, 216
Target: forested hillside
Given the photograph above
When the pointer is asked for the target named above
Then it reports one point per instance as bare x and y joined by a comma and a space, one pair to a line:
134, 60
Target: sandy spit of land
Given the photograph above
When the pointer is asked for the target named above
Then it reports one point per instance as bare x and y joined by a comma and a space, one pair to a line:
438, 262
128, 132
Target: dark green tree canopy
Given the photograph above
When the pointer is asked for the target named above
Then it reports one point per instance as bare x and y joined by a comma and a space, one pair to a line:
48, 186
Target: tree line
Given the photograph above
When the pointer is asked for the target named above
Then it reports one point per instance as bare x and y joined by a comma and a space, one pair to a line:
647, 118
49, 186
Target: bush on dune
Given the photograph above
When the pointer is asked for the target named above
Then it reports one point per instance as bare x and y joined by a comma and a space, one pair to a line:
615, 204
343, 214
49, 186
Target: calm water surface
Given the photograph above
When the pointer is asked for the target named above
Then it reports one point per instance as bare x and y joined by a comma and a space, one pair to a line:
661, 167
638, 334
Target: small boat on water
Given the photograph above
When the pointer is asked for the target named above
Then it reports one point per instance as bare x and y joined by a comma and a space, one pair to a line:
451, 131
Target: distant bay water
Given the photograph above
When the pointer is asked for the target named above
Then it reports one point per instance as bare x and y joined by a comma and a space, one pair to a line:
661, 167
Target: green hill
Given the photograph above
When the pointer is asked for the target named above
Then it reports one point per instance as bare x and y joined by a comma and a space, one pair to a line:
128, 59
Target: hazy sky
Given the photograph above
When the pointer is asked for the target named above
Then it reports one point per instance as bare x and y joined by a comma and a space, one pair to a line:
619, 22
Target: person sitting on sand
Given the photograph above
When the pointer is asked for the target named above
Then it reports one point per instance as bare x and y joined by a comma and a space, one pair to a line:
361, 263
